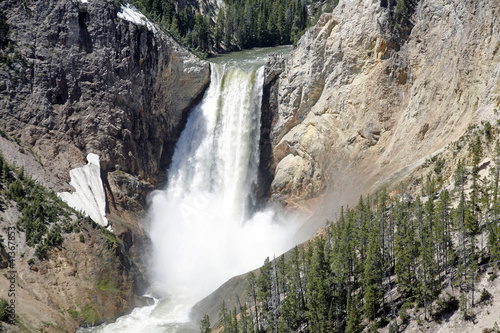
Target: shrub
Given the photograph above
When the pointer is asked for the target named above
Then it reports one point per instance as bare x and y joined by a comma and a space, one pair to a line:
4, 305
403, 314
485, 295
41, 251
439, 166
487, 130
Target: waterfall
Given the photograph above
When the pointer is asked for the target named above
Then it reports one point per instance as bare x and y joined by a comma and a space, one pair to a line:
204, 227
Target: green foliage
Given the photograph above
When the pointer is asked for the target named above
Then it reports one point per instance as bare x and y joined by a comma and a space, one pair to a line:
353, 316
464, 309
89, 315
242, 24
444, 307
401, 12
438, 167
73, 313
107, 284
485, 295
111, 240
41, 251
383, 257
205, 325
44, 216
403, 314
487, 130
4, 305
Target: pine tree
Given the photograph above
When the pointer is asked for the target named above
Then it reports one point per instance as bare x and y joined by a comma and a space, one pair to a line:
427, 252
373, 273
264, 293
353, 316
219, 29
317, 289
225, 317
252, 293
205, 324
405, 249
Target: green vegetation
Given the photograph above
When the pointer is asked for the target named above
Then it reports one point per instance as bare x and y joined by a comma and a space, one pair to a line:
45, 217
73, 313
205, 324
89, 315
241, 25
107, 284
4, 314
43, 212
347, 279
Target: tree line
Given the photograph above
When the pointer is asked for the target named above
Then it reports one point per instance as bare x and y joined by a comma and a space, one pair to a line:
241, 24
387, 255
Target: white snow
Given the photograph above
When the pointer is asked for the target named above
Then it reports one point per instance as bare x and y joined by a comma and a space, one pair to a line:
130, 13
89, 194
83, 1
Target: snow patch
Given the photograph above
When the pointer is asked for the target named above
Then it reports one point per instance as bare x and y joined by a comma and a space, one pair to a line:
83, 1
89, 196
131, 14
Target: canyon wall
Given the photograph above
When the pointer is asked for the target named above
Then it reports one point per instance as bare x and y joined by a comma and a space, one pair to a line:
77, 79
365, 97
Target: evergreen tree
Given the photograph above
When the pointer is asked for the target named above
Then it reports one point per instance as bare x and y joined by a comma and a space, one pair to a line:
205, 325
252, 293
373, 273
353, 316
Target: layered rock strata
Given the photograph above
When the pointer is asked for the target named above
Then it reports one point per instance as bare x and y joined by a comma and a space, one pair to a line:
360, 104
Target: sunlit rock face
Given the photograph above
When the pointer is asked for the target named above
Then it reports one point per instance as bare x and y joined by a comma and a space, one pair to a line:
359, 104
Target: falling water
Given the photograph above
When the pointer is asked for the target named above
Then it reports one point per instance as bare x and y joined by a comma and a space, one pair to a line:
204, 225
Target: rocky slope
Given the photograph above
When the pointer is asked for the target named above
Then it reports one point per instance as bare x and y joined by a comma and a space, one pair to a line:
361, 105
77, 79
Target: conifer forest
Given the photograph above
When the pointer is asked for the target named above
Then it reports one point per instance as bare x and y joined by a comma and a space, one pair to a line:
385, 260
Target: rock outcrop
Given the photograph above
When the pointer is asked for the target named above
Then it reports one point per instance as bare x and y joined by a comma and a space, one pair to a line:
87, 81
361, 105
76, 79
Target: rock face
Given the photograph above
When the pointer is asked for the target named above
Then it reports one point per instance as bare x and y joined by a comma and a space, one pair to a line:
88, 81
75, 79
360, 106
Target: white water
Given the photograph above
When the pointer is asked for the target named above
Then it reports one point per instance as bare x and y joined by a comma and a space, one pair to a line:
204, 226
